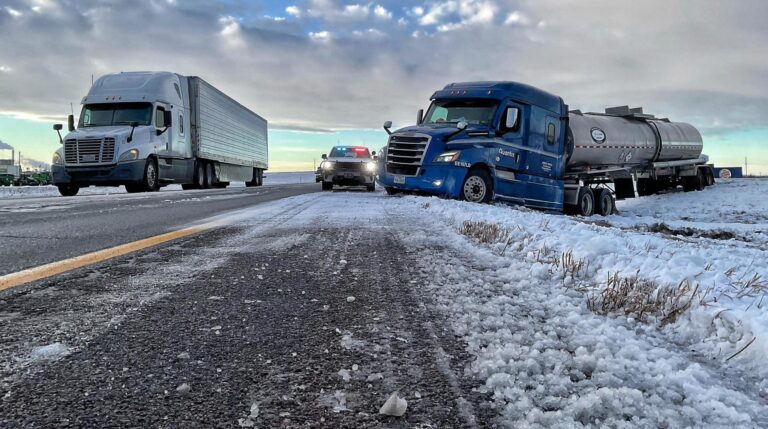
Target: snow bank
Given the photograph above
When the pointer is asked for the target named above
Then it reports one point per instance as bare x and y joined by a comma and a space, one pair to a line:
51, 191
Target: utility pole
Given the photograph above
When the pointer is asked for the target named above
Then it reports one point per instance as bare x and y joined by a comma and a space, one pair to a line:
745, 165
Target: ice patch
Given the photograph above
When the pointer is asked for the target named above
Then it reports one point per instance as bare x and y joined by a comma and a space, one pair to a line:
50, 352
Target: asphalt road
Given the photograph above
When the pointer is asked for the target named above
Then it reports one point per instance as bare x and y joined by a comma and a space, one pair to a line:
35, 231
310, 326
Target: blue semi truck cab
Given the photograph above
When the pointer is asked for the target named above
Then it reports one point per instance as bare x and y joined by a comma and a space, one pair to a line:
480, 141
483, 140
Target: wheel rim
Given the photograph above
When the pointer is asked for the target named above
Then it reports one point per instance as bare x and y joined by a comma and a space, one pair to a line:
475, 189
151, 175
586, 205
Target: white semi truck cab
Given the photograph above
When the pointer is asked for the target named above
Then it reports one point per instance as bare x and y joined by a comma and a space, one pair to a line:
145, 130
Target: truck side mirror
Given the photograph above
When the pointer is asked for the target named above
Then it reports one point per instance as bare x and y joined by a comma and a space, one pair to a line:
420, 117
387, 126
57, 128
168, 118
71, 123
324, 156
512, 117
373, 153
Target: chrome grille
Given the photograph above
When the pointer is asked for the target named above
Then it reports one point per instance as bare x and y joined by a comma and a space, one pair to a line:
405, 154
89, 151
342, 166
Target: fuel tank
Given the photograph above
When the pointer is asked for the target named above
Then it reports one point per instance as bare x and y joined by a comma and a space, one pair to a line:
624, 137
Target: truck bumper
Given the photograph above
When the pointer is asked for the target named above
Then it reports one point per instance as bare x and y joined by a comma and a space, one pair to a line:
441, 180
105, 175
349, 179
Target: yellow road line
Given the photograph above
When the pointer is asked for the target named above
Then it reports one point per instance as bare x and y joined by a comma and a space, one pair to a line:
54, 268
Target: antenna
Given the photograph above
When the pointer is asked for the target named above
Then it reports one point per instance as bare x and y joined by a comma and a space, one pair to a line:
91, 79
72, 108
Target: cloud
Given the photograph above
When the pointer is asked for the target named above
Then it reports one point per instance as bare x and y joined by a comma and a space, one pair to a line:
345, 67
382, 13
5, 146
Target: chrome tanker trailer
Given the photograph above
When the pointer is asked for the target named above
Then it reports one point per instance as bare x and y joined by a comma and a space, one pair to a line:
510, 141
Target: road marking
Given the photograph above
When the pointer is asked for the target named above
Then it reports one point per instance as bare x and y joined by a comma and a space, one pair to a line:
54, 268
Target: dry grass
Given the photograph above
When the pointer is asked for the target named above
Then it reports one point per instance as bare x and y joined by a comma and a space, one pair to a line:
644, 300
482, 232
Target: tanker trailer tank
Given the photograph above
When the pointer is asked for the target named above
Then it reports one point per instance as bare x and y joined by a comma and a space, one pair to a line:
632, 139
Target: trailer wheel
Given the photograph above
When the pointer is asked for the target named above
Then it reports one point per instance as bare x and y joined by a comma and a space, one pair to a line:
327, 186
68, 190
700, 180
586, 202
604, 203
477, 187
200, 175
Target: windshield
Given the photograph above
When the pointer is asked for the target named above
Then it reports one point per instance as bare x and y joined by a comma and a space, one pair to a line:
350, 152
473, 112
100, 115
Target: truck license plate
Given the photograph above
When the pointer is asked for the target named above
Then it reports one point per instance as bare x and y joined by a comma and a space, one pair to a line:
89, 158
400, 180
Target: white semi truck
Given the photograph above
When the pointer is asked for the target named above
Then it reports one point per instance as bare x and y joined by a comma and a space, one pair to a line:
146, 130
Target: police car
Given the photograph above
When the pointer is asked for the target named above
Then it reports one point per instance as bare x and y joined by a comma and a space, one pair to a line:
349, 166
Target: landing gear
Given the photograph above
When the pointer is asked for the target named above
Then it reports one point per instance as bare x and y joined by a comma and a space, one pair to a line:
257, 179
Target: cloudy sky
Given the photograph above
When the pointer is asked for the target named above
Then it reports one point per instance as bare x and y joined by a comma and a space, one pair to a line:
324, 71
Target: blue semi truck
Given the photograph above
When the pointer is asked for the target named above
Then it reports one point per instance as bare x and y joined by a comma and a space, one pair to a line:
481, 141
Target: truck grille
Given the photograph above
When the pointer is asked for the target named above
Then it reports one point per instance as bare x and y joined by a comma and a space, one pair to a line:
350, 166
405, 154
89, 151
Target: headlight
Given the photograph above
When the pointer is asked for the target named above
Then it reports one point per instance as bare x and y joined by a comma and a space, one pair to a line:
371, 167
129, 155
327, 166
448, 156
56, 159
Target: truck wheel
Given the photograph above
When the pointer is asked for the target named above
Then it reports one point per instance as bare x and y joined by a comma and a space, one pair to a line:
327, 186
68, 190
150, 182
371, 187
210, 176
604, 203
586, 202
477, 187
200, 175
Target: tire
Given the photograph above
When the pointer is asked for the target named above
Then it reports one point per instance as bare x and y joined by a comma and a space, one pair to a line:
327, 186
68, 190
134, 188
477, 186
605, 204
151, 180
710, 176
210, 177
701, 180
586, 202
257, 178
200, 176
392, 191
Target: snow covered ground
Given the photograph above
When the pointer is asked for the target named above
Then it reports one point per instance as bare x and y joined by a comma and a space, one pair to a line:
51, 191
654, 317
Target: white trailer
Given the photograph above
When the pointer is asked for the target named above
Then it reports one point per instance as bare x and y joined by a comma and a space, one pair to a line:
146, 130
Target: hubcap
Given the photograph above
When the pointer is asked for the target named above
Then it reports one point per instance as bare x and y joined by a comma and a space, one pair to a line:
586, 204
474, 189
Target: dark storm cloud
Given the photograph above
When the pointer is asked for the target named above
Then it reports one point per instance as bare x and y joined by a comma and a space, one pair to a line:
329, 64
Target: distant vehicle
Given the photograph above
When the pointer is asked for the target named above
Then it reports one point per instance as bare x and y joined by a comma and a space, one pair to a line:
319, 174
7, 179
146, 130
349, 166
42, 177
26, 179
506, 140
